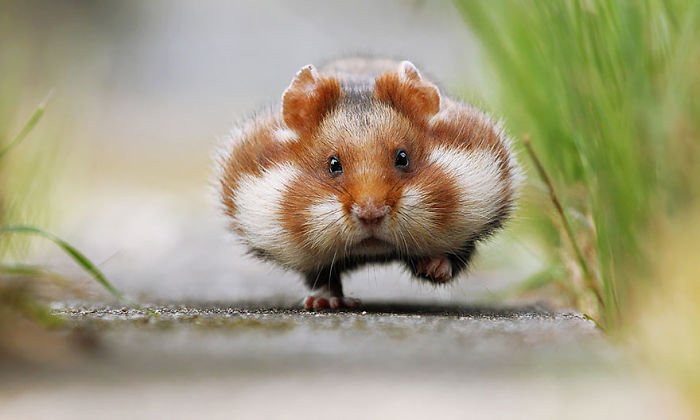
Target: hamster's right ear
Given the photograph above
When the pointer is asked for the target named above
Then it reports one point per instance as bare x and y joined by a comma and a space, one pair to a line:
407, 91
308, 98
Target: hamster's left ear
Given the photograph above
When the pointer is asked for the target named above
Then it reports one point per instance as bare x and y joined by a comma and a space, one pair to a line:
308, 98
407, 91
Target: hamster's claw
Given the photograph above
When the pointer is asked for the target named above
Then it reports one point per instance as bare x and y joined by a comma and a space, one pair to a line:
437, 269
319, 303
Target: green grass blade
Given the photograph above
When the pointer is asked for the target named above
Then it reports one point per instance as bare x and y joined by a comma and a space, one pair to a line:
28, 126
608, 91
22, 270
588, 277
76, 255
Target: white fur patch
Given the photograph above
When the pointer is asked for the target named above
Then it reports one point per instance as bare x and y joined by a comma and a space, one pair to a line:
414, 221
329, 231
477, 175
326, 219
285, 135
453, 111
413, 202
222, 154
258, 209
327, 208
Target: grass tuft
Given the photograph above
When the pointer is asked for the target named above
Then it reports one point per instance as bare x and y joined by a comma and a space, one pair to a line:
27, 127
80, 258
583, 264
71, 251
608, 91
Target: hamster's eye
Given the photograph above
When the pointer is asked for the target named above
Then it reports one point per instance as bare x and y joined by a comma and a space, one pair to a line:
334, 166
401, 159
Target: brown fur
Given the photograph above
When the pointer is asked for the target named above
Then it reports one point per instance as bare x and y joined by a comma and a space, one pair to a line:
363, 121
468, 129
417, 99
308, 99
256, 151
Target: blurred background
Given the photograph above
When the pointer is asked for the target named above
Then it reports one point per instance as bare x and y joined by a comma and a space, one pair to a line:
601, 97
144, 93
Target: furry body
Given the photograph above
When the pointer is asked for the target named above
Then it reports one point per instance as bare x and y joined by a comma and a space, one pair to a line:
367, 162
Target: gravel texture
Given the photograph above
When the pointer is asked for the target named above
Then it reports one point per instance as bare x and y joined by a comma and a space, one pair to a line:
383, 361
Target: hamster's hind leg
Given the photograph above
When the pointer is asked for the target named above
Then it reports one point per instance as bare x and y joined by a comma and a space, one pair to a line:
441, 269
436, 269
326, 291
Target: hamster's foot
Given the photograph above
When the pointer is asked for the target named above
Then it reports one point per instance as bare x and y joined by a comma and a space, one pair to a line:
322, 300
436, 269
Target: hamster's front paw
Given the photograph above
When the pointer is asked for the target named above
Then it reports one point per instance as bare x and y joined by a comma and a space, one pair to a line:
436, 269
323, 299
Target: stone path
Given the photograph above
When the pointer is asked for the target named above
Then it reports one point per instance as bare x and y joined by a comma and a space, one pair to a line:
385, 361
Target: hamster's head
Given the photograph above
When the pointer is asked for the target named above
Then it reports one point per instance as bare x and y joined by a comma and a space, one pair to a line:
389, 170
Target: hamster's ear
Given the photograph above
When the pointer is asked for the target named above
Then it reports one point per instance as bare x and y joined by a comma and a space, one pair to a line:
308, 98
407, 91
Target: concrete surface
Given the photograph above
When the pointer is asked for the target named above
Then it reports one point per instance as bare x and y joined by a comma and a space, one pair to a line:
384, 361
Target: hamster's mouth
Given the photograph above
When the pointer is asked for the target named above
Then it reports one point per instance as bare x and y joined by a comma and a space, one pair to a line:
371, 246
372, 242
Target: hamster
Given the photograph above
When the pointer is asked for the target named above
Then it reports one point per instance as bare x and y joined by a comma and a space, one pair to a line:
366, 161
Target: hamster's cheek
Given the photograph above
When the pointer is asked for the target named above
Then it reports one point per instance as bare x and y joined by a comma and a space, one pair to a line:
476, 181
425, 212
259, 212
327, 225
415, 211
314, 217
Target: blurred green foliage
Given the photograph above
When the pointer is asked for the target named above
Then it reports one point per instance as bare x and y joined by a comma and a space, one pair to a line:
11, 229
26, 169
608, 92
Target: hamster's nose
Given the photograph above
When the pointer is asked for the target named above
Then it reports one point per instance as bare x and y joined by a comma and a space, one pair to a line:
370, 214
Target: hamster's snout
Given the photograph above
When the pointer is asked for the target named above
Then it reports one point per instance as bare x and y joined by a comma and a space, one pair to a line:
370, 214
